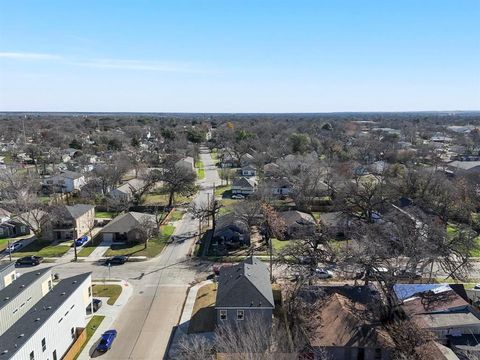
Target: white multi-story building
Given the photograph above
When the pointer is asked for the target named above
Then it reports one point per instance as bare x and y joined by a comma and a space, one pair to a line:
20, 295
50, 327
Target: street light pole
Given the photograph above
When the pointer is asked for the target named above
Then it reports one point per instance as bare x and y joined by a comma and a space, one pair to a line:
9, 250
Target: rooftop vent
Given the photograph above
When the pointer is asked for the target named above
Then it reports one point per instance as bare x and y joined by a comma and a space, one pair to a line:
63, 293
22, 286
74, 281
4, 352
49, 307
7, 298
38, 273
37, 319
21, 335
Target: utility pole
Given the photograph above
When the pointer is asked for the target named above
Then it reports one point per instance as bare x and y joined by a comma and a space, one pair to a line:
208, 207
9, 250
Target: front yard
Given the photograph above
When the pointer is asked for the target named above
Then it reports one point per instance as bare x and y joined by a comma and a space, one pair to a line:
200, 170
43, 249
110, 291
154, 245
160, 197
203, 314
92, 326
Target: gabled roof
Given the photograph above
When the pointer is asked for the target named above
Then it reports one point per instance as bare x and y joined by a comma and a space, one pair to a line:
36, 317
76, 211
245, 285
346, 323
10, 292
70, 175
243, 182
126, 222
131, 185
298, 217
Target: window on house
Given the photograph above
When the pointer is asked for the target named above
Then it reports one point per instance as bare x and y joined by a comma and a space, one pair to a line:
44, 344
32, 356
89, 291
54, 355
72, 332
59, 321
378, 354
223, 314
49, 285
240, 315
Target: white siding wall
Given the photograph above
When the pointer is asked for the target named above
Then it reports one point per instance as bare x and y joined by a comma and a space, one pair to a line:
56, 332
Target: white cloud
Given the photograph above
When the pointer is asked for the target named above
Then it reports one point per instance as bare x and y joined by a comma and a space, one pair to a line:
123, 64
28, 56
120, 64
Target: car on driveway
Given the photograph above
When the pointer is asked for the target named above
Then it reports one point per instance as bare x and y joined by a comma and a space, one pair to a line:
238, 196
14, 247
97, 304
323, 273
116, 260
107, 340
29, 260
81, 240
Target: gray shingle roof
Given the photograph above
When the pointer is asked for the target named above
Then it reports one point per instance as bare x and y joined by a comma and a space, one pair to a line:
76, 211
245, 285
34, 319
10, 292
126, 222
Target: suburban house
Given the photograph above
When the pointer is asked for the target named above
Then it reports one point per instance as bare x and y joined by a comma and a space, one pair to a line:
231, 232
128, 227
278, 186
348, 330
228, 161
13, 228
244, 294
73, 221
271, 170
297, 223
7, 274
244, 186
441, 310
126, 191
186, 163
246, 159
50, 325
21, 294
4, 215
248, 170
65, 182
469, 167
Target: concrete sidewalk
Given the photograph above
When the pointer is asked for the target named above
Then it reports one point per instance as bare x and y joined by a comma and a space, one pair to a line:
181, 332
111, 312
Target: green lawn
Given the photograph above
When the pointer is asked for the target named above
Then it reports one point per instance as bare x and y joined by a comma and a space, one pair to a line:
154, 246
39, 248
176, 215
278, 245
110, 291
161, 198
476, 252
219, 190
92, 326
317, 215
200, 170
105, 214
87, 249
3, 244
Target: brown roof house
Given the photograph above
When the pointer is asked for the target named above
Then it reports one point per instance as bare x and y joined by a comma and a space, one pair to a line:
128, 227
349, 330
297, 223
244, 294
71, 222
441, 310
244, 186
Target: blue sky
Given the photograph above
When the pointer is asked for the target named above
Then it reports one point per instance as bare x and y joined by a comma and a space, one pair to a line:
239, 55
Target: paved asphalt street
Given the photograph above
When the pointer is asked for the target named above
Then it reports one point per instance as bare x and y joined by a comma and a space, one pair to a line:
160, 286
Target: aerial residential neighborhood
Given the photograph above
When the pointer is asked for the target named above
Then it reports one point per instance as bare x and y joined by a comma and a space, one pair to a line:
240, 180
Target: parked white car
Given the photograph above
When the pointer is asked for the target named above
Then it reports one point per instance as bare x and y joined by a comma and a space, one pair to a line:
323, 273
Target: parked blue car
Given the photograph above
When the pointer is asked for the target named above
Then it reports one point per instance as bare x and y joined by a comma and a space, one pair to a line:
107, 340
81, 240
